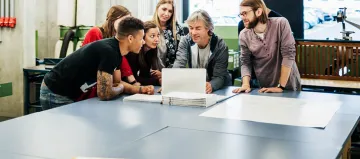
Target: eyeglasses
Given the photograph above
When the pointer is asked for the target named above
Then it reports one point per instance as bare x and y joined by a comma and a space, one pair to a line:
244, 13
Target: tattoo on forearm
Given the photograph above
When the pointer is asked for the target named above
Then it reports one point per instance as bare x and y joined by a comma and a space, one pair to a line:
105, 87
103, 83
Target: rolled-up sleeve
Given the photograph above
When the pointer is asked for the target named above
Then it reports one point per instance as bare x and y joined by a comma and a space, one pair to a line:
287, 47
245, 57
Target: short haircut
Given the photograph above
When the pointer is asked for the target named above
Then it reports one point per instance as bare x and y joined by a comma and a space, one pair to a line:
129, 26
204, 16
256, 4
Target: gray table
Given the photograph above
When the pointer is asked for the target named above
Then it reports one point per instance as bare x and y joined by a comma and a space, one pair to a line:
63, 136
177, 143
7, 155
116, 129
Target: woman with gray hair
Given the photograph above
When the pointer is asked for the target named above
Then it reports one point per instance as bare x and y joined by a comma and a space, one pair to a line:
201, 48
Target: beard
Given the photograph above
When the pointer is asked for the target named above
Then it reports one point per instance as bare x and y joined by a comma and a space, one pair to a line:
253, 23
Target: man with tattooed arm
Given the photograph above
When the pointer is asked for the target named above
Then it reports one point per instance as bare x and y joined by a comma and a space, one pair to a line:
95, 62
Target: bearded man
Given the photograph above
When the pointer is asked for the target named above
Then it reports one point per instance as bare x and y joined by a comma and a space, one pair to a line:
267, 46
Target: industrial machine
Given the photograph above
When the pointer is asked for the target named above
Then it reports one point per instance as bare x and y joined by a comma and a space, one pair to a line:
341, 17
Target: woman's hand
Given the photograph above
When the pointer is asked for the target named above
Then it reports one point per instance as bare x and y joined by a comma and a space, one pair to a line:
156, 73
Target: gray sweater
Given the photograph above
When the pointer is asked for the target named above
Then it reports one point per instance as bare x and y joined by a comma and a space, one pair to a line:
268, 55
217, 63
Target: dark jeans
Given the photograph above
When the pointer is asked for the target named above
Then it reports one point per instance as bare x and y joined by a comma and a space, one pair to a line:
49, 100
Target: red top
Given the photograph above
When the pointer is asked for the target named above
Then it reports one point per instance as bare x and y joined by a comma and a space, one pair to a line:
94, 34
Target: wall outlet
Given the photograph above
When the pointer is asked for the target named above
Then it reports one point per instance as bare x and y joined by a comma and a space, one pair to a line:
6, 89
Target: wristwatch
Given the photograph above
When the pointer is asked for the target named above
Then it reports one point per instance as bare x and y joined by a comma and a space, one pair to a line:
279, 86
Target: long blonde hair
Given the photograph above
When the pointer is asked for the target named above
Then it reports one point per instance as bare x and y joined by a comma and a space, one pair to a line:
172, 19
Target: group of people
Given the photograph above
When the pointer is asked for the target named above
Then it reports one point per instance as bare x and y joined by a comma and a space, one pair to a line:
126, 55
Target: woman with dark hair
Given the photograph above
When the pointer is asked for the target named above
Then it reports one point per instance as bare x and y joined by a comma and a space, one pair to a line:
144, 63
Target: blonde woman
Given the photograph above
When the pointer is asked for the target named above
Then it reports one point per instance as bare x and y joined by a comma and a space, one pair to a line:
170, 33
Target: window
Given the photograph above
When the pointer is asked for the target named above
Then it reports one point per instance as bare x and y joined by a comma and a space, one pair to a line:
223, 12
320, 19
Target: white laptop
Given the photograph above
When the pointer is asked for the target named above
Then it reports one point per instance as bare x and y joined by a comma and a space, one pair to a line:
183, 80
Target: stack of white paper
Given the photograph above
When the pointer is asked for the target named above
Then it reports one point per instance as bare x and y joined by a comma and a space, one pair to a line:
143, 98
182, 87
189, 99
177, 98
